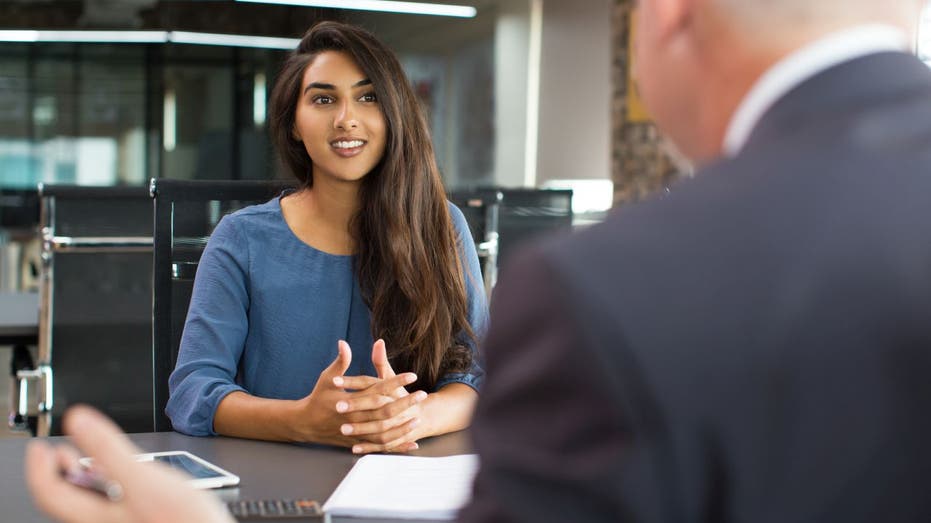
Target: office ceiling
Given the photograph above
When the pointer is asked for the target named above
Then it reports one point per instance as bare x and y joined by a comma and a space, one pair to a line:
216, 16
229, 16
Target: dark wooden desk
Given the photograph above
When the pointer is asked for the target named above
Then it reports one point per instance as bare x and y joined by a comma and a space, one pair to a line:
267, 470
19, 318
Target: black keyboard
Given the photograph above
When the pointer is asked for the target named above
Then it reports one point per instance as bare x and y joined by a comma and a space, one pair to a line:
275, 509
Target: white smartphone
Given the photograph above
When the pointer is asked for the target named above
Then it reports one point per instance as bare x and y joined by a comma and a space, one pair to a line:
203, 474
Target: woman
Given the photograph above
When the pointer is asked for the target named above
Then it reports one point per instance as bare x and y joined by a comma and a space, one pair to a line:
367, 254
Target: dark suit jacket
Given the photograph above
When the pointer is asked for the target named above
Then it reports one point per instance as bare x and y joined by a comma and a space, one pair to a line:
753, 347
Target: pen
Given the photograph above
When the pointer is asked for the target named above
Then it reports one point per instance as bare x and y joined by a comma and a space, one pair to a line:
92, 481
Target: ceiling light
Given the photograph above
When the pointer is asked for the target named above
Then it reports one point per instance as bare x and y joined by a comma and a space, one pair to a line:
388, 6
266, 42
148, 37
140, 37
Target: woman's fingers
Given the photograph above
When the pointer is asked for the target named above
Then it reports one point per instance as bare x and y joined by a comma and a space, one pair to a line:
377, 406
355, 382
363, 403
383, 366
375, 430
382, 407
386, 417
379, 442
380, 360
379, 386
340, 365
406, 442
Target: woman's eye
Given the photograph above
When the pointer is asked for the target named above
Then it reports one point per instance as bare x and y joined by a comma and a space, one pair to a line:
368, 97
322, 100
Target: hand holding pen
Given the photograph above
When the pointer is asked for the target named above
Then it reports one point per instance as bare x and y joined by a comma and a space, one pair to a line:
132, 492
90, 479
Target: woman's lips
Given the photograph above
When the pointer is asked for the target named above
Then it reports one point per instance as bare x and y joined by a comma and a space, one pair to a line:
348, 148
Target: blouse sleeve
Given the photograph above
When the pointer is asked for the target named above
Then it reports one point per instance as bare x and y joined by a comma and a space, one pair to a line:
214, 332
477, 304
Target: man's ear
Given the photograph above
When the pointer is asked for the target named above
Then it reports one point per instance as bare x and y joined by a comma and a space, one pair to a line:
671, 17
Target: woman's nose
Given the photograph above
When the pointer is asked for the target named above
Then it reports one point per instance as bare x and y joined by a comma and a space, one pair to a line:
346, 118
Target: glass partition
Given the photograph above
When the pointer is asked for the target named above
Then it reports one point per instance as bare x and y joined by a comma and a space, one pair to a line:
119, 114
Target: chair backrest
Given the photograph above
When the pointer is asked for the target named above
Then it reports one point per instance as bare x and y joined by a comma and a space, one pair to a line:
186, 213
526, 214
502, 219
480, 208
19, 209
95, 322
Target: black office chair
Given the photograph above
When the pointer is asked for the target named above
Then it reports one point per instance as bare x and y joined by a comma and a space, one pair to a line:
19, 219
502, 219
527, 214
94, 307
480, 208
186, 213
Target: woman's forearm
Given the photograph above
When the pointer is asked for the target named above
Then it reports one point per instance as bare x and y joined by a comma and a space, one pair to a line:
448, 409
245, 416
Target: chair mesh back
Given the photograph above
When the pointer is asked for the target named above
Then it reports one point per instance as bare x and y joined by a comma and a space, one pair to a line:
523, 214
99, 334
186, 213
526, 214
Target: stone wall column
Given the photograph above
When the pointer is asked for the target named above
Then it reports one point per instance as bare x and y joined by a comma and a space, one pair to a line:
640, 166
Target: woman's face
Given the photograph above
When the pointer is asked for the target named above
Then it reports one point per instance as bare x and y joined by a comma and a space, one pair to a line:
338, 119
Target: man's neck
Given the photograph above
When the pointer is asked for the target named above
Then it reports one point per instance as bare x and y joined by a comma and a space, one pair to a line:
724, 92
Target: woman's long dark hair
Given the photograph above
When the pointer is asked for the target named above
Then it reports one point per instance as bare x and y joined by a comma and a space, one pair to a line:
407, 257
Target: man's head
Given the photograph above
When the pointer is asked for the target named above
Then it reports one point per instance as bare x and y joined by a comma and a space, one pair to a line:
696, 59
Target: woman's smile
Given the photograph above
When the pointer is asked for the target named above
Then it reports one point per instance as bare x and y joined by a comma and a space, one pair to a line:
348, 147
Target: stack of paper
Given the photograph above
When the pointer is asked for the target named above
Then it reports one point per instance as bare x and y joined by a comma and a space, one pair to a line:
405, 487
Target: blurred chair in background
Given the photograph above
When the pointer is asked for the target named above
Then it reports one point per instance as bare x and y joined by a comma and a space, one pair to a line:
502, 219
19, 268
481, 209
94, 306
186, 213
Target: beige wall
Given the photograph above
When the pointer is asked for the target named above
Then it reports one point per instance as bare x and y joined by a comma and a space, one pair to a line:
582, 126
574, 138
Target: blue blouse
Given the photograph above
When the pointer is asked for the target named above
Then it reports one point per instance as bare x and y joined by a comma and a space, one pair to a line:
267, 311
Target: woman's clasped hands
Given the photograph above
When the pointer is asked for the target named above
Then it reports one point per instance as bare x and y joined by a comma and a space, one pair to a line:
367, 413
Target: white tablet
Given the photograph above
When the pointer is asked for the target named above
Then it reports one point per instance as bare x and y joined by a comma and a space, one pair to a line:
203, 474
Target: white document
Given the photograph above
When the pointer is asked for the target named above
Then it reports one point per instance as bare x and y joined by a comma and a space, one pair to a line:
405, 487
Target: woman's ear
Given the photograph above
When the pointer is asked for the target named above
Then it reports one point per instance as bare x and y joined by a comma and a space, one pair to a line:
295, 135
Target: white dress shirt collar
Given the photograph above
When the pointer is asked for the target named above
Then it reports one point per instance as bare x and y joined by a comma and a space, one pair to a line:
802, 65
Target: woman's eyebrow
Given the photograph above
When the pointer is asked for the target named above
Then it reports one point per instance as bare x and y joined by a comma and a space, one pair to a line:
331, 87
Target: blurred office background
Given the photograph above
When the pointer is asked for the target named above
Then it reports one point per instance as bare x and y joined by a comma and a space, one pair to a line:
524, 93
520, 94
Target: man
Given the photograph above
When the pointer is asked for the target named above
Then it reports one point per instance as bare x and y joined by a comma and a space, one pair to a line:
756, 346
